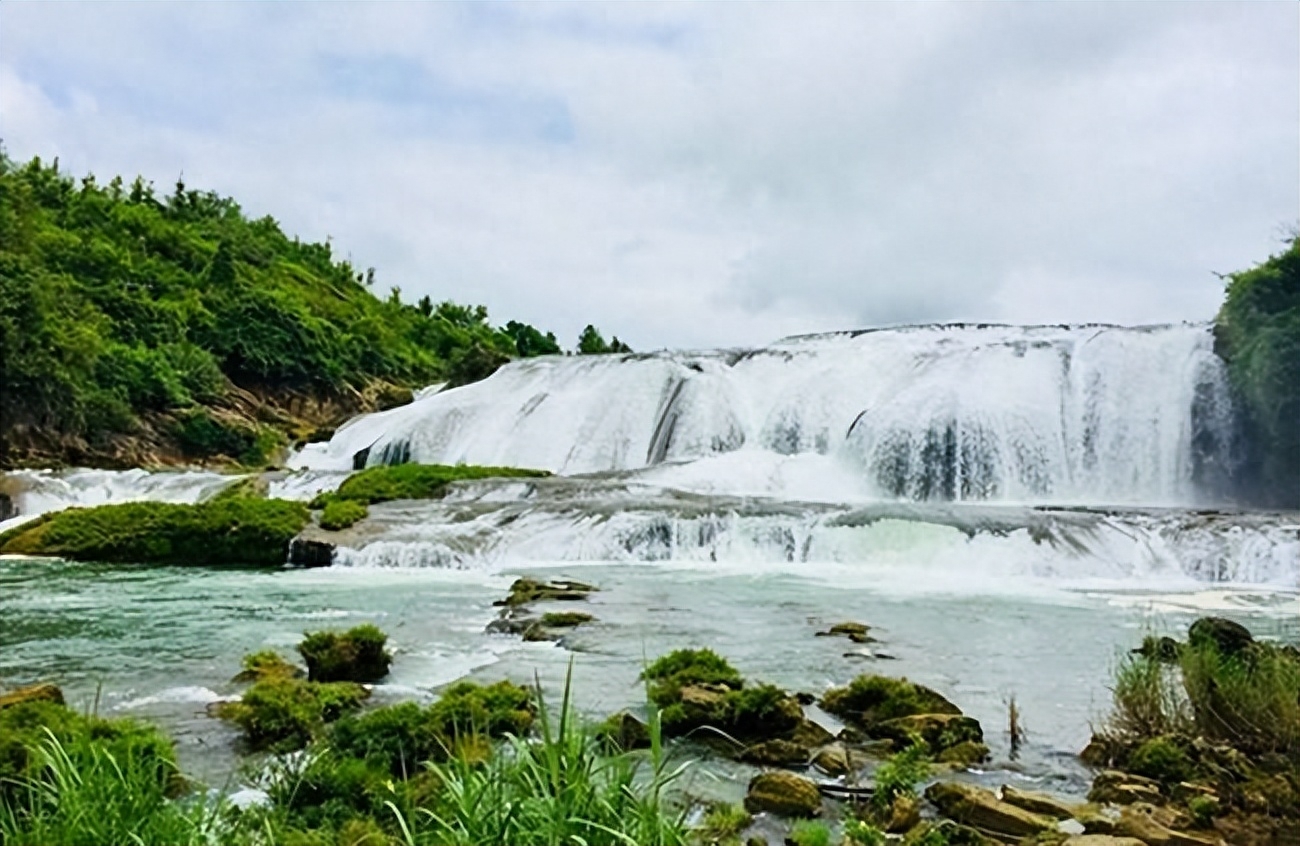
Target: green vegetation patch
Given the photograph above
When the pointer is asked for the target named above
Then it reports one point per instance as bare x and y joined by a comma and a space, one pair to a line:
414, 481
565, 619
870, 699
283, 714
342, 513
686, 667
356, 655
224, 531
1258, 334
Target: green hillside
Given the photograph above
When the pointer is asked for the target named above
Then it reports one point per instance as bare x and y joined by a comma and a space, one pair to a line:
139, 327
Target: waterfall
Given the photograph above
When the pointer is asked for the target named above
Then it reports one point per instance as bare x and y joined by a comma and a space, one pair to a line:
1047, 414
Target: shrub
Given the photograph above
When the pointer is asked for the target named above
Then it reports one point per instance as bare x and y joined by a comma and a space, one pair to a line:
284, 714
495, 709
417, 481
1148, 699
356, 655
1162, 759
92, 788
872, 699
225, 531
264, 665
899, 776
684, 667
342, 513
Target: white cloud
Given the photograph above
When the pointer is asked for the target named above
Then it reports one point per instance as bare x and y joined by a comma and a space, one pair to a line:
706, 174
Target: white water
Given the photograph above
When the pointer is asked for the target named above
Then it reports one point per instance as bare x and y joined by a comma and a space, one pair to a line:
35, 492
1090, 414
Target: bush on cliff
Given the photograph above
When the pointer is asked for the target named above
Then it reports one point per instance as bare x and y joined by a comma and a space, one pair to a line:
1258, 334
223, 531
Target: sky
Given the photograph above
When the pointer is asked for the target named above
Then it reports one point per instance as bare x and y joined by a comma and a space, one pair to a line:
700, 175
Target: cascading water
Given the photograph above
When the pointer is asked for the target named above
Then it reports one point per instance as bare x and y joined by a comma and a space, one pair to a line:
1087, 414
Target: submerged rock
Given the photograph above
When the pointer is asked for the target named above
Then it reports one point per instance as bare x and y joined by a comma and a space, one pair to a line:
981, 809
44, 692
783, 794
625, 732
965, 754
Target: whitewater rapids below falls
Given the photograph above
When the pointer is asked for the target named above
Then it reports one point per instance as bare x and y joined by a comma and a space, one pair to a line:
1009, 508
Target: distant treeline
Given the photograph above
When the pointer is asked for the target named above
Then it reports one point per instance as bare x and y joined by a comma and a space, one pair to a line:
1258, 334
118, 305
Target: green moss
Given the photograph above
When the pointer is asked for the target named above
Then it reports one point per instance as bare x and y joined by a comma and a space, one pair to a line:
1163, 759
809, 833
228, 531
249, 487
871, 699
264, 665
723, 823
342, 513
680, 668
284, 714
417, 481
899, 776
494, 710
356, 655
565, 619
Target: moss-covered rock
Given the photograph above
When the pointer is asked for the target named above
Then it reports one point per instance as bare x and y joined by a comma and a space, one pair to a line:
44, 692
623, 732
565, 619
227, 531
284, 714
342, 513
415, 481
266, 665
525, 591
870, 700
979, 808
356, 655
783, 794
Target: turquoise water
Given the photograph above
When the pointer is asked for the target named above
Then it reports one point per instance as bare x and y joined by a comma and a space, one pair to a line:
162, 643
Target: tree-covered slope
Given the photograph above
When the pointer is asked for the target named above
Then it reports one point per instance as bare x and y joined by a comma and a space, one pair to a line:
1258, 334
135, 326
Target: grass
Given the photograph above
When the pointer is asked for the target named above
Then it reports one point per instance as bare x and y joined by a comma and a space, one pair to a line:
223, 531
284, 714
1250, 700
85, 792
342, 513
413, 481
810, 833
668, 674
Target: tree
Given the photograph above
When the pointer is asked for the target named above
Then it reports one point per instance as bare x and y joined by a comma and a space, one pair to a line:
529, 341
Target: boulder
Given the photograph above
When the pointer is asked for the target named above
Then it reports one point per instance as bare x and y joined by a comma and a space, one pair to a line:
776, 753
832, 759
1038, 802
1163, 649
310, 553
981, 809
810, 734
1124, 789
1142, 821
44, 692
872, 699
904, 814
939, 731
783, 794
965, 754
624, 731
1227, 637
511, 624
526, 590
845, 629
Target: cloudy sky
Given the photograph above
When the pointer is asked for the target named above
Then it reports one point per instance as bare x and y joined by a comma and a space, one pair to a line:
706, 174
